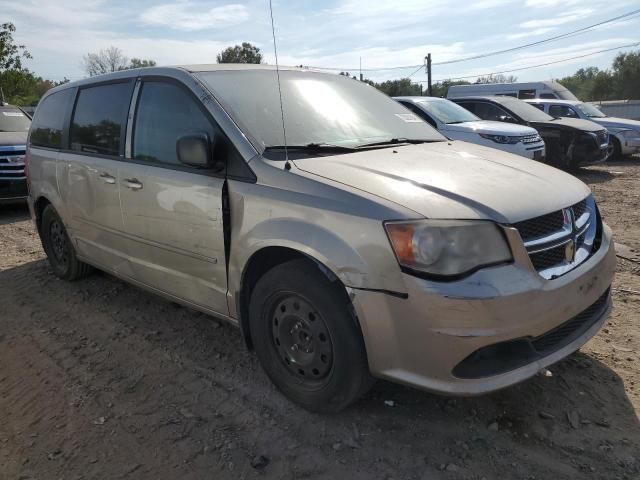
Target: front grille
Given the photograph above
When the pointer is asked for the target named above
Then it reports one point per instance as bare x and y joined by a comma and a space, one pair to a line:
579, 208
12, 163
548, 258
509, 355
557, 337
531, 139
540, 226
558, 241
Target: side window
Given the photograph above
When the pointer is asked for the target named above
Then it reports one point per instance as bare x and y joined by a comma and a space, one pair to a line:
471, 106
164, 113
99, 119
488, 111
539, 106
562, 111
48, 123
548, 96
526, 94
420, 113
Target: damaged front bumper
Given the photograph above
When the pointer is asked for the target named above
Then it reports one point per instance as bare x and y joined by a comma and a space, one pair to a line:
493, 329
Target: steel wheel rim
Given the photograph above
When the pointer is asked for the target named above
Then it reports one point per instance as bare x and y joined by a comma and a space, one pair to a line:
301, 338
59, 243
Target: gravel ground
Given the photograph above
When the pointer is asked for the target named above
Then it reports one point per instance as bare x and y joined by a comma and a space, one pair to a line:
101, 380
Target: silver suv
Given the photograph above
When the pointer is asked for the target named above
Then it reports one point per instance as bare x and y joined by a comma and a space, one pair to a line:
366, 245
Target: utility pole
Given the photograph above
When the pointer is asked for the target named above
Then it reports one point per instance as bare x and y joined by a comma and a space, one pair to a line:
360, 68
428, 60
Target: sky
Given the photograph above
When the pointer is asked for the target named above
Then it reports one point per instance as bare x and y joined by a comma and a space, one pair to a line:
331, 33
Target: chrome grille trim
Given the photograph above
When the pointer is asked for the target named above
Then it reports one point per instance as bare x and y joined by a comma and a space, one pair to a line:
10, 167
564, 247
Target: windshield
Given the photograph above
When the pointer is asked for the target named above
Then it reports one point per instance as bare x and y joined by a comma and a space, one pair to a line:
527, 112
13, 120
318, 109
590, 111
447, 112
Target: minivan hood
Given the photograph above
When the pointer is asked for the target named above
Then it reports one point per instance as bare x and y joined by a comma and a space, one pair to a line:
577, 123
618, 123
10, 139
490, 127
454, 180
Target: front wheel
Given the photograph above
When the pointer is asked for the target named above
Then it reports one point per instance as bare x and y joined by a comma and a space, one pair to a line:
58, 247
306, 338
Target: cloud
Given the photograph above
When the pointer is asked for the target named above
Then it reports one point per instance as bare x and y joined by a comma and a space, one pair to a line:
559, 19
190, 16
530, 33
62, 12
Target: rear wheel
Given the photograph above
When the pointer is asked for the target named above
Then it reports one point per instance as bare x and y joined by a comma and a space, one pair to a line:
307, 340
58, 247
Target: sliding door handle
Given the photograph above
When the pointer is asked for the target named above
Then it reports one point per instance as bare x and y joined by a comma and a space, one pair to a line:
133, 183
106, 178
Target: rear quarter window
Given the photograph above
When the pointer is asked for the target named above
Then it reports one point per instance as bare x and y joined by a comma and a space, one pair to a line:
99, 119
48, 121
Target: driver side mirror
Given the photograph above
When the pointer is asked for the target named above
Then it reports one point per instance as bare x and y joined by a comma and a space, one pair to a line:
196, 150
505, 118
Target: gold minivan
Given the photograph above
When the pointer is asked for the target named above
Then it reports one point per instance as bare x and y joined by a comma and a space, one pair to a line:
342, 234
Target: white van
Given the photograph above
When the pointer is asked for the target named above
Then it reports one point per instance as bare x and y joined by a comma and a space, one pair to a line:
524, 91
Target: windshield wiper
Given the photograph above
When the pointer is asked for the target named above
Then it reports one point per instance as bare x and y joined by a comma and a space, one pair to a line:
394, 141
453, 123
313, 147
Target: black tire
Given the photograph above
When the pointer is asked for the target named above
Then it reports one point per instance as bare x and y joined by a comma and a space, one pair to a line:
617, 148
307, 339
58, 247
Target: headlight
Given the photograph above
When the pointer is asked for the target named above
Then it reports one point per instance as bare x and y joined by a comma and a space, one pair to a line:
629, 134
501, 138
447, 247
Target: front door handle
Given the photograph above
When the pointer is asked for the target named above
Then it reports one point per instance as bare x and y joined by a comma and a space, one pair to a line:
133, 183
106, 178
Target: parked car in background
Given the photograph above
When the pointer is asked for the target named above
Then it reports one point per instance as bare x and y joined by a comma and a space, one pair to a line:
523, 91
624, 134
458, 123
14, 126
368, 244
570, 143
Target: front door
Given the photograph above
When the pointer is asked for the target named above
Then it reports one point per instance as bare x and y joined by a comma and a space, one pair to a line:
172, 213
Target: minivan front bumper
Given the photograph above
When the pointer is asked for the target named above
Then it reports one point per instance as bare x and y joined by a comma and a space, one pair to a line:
475, 335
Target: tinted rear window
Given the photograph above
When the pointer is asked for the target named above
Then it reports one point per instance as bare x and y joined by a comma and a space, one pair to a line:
99, 119
48, 122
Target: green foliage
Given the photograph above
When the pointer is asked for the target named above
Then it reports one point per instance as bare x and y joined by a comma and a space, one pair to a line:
621, 82
11, 55
245, 53
498, 78
21, 87
141, 63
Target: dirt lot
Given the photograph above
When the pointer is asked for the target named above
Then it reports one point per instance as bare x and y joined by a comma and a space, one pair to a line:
101, 380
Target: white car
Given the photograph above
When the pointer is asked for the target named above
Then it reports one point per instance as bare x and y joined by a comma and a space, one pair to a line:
457, 123
624, 134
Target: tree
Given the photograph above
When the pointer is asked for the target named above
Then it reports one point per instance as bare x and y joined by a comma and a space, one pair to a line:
498, 78
105, 61
112, 60
11, 55
141, 63
626, 73
245, 53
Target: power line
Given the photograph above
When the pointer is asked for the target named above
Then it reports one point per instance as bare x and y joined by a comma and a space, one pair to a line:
539, 65
539, 42
497, 52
